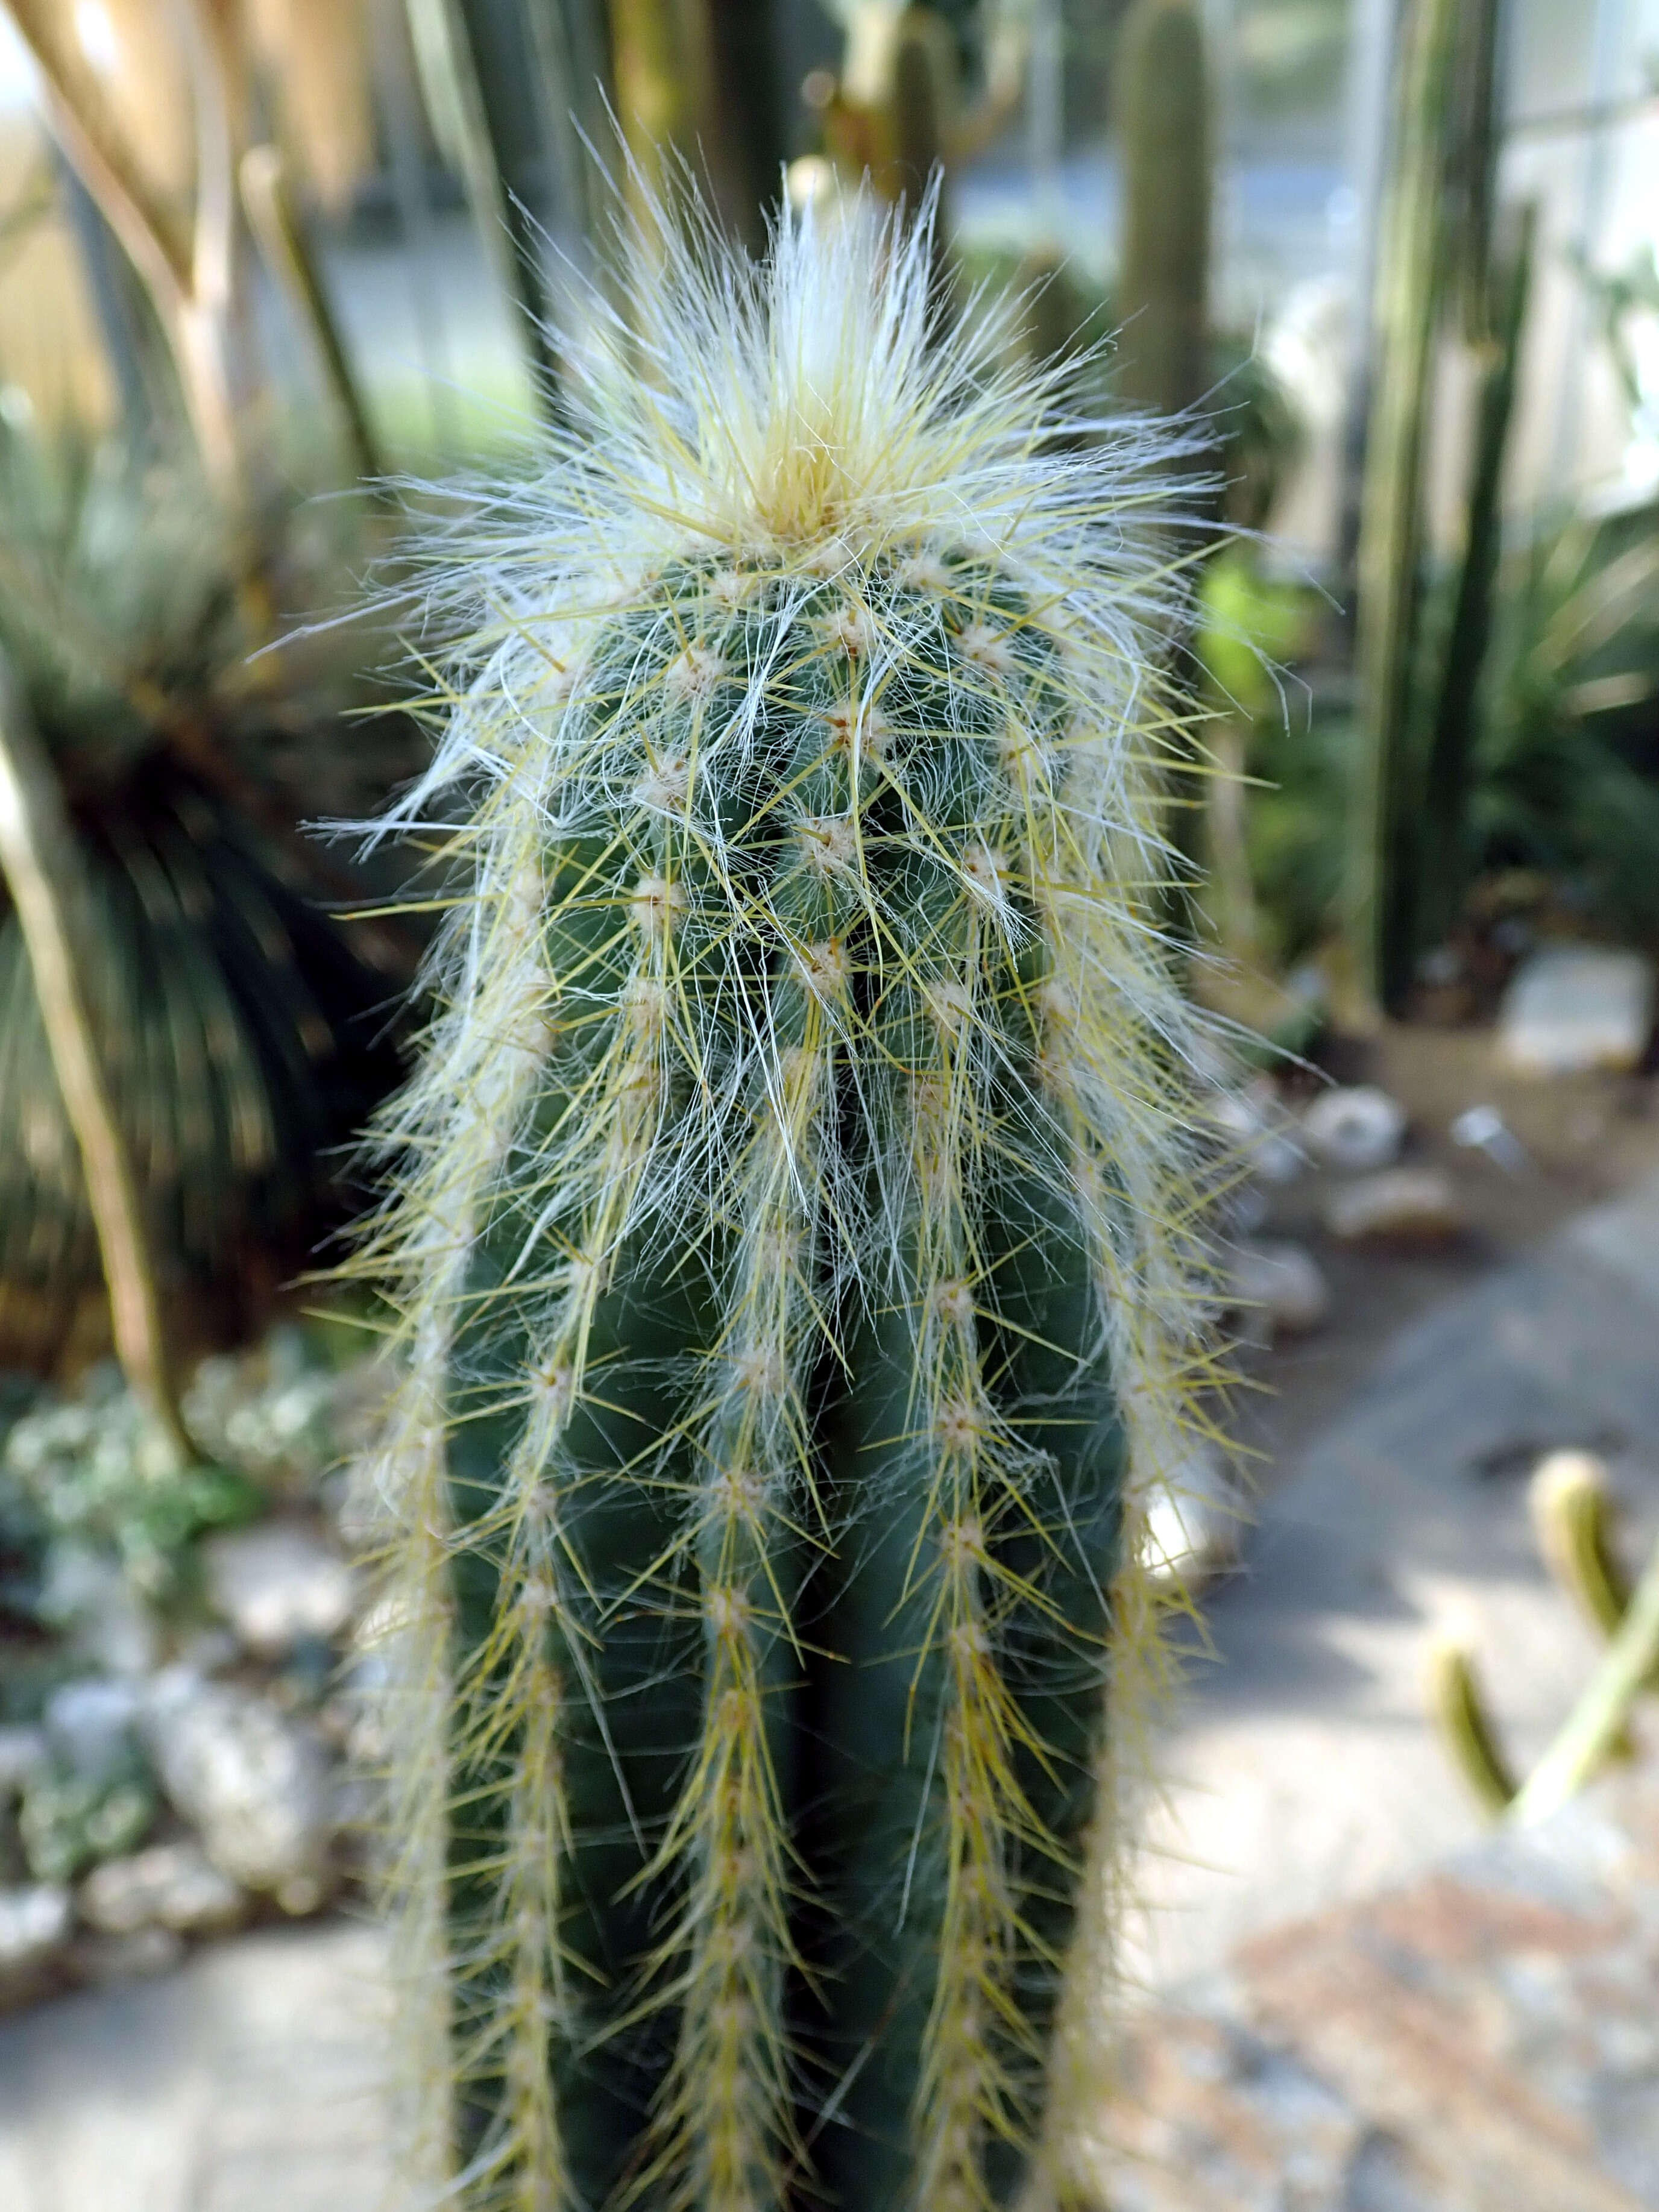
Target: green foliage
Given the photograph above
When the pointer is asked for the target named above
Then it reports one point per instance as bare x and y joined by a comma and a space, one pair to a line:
1563, 750
1249, 625
94, 1474
90, 1500
1301, 755
67, 1821
1568, 756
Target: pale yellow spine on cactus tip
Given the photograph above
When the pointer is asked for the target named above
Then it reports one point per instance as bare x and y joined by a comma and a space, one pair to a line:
805, 418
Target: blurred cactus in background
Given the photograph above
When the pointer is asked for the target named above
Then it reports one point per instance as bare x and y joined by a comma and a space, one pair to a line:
697, 82
903, 107
794, 1231
158, 120
1162, 105
1436, 259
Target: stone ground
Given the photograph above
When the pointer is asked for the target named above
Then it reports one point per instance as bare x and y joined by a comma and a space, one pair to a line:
1483, 2037
1305, 1777
244, 2082
1301, 1771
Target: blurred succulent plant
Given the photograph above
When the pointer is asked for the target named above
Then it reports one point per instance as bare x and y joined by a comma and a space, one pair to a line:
1567, 763
235, 1021
67, 1821
91, 1469
1250, 624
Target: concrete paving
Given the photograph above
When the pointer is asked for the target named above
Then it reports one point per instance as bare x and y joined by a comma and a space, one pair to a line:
1303, 1770
244, 2082
1482, 2036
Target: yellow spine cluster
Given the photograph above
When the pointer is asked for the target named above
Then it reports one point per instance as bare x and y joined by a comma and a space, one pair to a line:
456, 1125
728, 2135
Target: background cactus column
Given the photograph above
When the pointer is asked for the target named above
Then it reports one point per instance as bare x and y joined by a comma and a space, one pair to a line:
794, 1236
1163, 130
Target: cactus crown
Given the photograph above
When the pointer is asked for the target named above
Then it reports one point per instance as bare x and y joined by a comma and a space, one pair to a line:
793, 1237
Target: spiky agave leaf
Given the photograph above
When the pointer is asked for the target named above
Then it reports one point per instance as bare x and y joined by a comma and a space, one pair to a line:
794, 1229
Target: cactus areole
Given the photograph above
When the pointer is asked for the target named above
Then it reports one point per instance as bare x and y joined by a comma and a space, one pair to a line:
792, 1227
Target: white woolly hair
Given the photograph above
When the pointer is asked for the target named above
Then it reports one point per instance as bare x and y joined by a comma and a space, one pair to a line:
806, 429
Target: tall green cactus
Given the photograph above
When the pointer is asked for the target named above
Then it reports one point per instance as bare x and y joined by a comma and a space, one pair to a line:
793, 1236
1162, 128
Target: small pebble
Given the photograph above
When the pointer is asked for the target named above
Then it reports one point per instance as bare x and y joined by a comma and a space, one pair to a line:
252, 1781
1483, 1130
1263, 1134
34, 1925
1195, 1526
1401, 1206
1570, 1007
1357, 1129
1282, 1282
278, 1586
170, 1886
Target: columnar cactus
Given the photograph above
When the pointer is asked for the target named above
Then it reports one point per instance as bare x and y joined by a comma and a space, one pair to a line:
1163, 117
793, 1237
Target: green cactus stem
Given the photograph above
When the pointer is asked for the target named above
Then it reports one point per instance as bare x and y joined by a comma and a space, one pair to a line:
1599, 1723
1458, 1710
1444, 856
1572, 1515
1412, 767
793, 1229
1162, 127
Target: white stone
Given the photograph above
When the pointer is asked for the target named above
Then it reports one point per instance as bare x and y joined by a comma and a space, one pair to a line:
276, 1585
1357, 1129
34, 1925
1483, 1130
170, 1886
1195, 1525
1570, 1007
1263, 1134
251, 1782
23, 1752
1280, 1281
89, 1725
109, 1628
1401, 1206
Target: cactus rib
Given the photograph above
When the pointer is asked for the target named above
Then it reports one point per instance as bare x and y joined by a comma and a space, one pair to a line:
794, 1229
